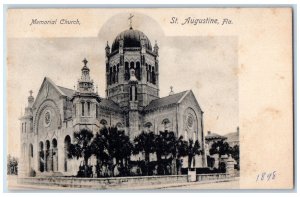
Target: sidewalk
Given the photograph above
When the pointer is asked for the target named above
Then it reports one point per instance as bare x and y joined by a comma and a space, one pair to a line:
211, 184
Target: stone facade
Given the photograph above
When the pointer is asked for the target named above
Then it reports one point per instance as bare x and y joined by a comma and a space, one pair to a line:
132, 104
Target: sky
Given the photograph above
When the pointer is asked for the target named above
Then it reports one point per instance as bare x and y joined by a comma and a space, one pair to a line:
205, 64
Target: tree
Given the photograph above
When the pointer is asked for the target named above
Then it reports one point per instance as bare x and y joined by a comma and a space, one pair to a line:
82, 148
118, 146
221, 148
100, 149
165, 144
144, 142
12, 165
235, 153
193, 150
181, 151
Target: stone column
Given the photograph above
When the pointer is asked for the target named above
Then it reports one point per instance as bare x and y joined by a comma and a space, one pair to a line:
230, 166
51, 159
45, 161
55, 159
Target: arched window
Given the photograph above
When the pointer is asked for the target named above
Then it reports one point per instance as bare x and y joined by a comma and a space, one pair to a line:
131, 65
97, 113
150, 73
54, 143
103, 122
41, 157
47, 158
130, 93
41, 146
89, 108
133, 93
117, 74
54, 164
66, 147
126, 71
153, 76
25, 127
31, 150
138, 71
147, 72
82, 108
166, 123
110, 75
148, 126
119, 126
114, 75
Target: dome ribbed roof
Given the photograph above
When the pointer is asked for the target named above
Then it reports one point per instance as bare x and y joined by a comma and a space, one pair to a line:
132, 38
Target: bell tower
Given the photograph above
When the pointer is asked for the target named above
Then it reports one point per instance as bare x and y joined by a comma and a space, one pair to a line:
132, 50
85, 102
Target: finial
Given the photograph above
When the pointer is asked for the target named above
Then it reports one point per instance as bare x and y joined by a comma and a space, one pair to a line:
130, 19
85, 61
30, 92
171, 91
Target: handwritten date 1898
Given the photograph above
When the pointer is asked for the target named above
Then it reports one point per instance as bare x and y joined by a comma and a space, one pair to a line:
264, 176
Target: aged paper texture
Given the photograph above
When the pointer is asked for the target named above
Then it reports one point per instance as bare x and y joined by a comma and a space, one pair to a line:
230, 71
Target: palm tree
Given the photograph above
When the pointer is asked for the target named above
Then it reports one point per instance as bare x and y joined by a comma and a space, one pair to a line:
99, 148
193, 150
144, 142
165, 144
181, 151
221, 148
119, 146
82, 148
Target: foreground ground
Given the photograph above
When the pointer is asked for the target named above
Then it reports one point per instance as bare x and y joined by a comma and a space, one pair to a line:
225, 184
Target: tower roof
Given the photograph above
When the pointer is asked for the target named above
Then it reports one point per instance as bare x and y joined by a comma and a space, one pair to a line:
131, 38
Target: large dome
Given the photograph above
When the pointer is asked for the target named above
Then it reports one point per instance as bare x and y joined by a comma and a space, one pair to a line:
132, 38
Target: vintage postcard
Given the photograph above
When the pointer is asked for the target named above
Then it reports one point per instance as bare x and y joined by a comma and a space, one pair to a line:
149, 98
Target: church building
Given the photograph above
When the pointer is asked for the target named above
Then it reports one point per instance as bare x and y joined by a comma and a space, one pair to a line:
132, 103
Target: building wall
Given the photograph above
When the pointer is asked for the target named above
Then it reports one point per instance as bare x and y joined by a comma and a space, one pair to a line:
156, 119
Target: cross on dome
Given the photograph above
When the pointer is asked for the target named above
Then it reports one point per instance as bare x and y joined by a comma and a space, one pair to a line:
130, 19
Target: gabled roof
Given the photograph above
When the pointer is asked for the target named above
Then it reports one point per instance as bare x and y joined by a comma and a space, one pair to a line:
68, 92
165, 101
214, 136
106, 103
232, 137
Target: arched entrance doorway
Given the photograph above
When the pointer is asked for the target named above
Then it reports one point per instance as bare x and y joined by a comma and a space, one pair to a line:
30, 157
66, 147
41, 157
54, 155
47, 158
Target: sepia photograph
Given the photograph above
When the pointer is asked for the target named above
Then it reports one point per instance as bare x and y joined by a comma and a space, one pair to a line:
148, 99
